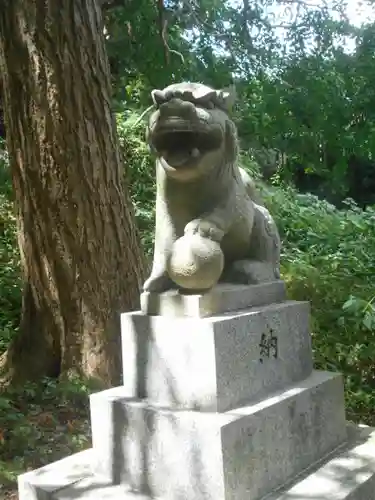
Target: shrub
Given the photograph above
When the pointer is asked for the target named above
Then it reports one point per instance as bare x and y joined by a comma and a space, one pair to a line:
329, 259
140, 170
51, 417
10, 284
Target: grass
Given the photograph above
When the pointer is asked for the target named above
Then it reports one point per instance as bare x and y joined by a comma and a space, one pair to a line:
50, 417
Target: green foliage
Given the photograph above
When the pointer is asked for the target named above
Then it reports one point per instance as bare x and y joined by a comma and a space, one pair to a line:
10, 283
328, 259
144, 56
140, 172
51, 417
316, 108
311, 100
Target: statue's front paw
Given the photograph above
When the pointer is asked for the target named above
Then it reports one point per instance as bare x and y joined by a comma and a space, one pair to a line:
204, 228
158, 283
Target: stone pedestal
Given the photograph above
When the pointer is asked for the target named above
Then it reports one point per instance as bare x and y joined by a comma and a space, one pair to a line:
219, 402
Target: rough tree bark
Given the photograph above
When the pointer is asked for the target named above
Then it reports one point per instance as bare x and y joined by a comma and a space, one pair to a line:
80, 254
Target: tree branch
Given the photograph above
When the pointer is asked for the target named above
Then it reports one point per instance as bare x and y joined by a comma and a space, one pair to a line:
110, 4
163, 30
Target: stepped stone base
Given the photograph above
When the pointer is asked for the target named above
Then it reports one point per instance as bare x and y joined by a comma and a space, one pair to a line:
240, 454
346, 474
216, 363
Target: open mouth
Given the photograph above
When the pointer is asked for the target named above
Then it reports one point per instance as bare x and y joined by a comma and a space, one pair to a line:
182, 148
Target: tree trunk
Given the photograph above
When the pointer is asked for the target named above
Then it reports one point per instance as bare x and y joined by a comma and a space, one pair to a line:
80, 251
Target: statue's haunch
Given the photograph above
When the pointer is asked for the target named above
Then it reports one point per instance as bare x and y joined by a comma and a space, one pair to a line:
195, 262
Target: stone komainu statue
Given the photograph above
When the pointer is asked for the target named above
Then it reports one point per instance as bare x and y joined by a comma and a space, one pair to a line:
202, 191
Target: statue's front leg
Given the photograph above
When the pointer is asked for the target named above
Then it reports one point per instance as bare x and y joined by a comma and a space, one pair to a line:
159, 280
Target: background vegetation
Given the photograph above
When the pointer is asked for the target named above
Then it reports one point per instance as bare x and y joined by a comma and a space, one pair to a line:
307, 127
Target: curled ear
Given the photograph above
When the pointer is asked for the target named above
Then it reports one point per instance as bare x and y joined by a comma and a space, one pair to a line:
231, 142
226, 98
148, 142
203, 93
158, 97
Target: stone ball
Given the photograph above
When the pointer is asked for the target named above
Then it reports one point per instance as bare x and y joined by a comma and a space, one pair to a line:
195, 263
